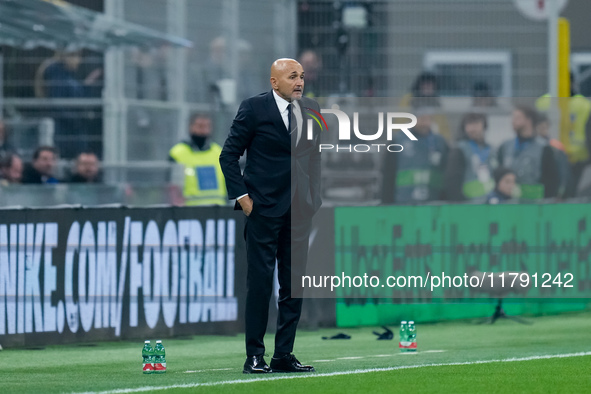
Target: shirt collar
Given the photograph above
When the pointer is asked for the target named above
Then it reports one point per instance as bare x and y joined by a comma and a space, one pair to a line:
281, 102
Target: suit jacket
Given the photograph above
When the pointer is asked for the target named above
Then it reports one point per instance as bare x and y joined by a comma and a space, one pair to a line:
277, 171
31, 175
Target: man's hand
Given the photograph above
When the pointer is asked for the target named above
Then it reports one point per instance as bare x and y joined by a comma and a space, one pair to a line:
246, 204
93, 76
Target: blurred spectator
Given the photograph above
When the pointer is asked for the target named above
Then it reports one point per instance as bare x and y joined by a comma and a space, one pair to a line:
5, 146
530, 158
482, 96
424, 93
214, 77
415, 175
58, 78
215, 68
11, 169
41, 169
253, 85
543, 131
424, 86
468, 172
87, 169
312, 64
148, 76
504, 186
204, 182
575, 133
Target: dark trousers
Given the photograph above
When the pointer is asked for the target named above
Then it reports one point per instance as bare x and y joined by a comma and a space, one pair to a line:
284, 239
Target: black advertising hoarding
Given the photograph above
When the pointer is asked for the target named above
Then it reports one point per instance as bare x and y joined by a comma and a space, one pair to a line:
86, 274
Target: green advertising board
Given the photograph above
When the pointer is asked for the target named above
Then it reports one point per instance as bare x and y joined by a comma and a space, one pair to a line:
542, 251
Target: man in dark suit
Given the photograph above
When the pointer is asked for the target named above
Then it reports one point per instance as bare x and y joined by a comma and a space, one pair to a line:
279, 193
41, 169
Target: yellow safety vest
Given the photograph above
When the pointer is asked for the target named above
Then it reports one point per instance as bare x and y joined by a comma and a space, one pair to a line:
204, 180
574, 138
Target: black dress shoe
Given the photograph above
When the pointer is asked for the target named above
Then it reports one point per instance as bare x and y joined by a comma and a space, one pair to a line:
289, 363
255, 364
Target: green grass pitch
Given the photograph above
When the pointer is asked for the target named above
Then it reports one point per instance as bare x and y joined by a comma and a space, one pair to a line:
454, 357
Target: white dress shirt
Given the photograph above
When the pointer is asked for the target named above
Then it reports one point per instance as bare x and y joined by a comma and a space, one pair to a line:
297, 111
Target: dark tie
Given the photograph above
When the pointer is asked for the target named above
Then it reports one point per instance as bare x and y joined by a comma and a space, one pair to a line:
292, 123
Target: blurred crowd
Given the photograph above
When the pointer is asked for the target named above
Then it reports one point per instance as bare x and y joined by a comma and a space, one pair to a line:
529, 166
43, 168
442, 165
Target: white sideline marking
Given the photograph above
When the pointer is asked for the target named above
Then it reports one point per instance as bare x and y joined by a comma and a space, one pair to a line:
349, 358
433, 351
206, 370
322, 361
319, 375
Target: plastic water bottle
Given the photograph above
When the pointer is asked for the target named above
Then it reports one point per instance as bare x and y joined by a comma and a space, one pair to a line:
160, 358
403, 342
412, 336
148, 358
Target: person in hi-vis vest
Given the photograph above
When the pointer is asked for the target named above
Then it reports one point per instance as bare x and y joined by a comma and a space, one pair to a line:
576, 140
204, 182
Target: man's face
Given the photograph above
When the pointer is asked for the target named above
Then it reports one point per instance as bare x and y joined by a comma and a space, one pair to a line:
543, 129
289, 81
45, 162
475, 130
218, 50
522, 124
87, 166
507, 184
14, 173
427, 89
72, 60
201, 127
